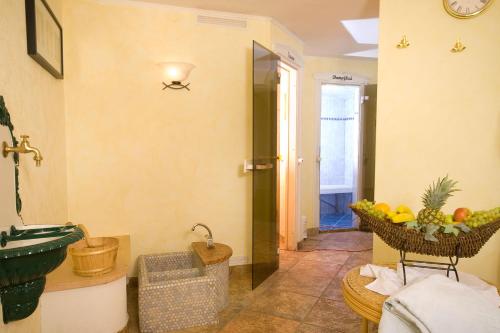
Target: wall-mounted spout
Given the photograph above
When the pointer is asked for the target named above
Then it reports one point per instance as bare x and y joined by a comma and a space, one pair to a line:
23, 148
210, 240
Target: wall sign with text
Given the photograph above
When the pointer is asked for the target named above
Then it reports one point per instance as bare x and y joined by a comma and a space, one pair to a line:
341, 78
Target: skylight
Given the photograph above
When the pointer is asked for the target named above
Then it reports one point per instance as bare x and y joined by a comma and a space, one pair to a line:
364, 31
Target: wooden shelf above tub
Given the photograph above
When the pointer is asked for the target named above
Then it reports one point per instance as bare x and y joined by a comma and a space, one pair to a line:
219, 253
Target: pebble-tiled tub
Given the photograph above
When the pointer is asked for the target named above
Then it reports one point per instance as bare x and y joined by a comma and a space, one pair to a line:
183, 289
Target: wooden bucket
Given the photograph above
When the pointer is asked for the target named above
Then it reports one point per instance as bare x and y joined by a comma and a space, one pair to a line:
95, 256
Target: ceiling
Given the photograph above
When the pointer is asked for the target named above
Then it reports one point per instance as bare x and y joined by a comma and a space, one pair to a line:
316, 22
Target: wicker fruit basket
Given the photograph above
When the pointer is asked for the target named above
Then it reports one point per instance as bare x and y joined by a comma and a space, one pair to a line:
94, 256
397, 236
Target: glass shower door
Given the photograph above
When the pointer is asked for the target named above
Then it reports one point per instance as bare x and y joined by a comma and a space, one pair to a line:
264, 193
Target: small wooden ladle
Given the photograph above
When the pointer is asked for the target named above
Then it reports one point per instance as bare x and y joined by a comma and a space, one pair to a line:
86, 235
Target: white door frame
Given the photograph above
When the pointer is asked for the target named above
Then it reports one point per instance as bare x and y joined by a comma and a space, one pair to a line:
295, 61
340, 78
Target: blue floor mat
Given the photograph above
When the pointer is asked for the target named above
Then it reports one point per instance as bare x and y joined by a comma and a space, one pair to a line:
335, 221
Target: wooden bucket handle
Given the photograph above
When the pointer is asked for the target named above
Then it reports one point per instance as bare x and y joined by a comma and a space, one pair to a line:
85, 234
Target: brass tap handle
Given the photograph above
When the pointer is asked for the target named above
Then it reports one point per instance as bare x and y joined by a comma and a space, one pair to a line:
25, 137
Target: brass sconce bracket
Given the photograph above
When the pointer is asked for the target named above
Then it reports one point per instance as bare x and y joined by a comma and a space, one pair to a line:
458, 47
403, 43
176, 85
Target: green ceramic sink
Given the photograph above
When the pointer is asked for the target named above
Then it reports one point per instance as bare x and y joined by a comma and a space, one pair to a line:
27, 254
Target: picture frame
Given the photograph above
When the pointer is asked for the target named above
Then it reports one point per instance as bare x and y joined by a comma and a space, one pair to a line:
44, 37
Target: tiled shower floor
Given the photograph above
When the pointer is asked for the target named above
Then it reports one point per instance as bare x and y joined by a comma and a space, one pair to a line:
335, 221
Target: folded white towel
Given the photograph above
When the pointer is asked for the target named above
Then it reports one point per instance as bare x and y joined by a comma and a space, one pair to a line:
438, 304
388, 281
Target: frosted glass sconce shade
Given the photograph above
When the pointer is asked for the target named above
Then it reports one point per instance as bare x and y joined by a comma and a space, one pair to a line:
175, 73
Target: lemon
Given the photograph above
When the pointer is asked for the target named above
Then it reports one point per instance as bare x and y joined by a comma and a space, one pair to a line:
403, 217
403, 209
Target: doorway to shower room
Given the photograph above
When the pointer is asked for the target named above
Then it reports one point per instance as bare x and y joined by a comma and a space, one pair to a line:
339, 154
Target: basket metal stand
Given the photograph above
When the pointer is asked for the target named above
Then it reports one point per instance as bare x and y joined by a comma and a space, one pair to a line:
444, 266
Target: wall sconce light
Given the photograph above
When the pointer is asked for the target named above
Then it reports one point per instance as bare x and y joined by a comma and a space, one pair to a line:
175, 73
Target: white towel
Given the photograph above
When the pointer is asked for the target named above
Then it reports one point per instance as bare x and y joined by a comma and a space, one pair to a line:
388, 281
435, 304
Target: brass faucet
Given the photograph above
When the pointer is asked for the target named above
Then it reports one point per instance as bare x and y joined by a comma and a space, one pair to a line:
23, 148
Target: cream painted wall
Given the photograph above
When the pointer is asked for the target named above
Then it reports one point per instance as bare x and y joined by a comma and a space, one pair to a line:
147, 162
32, 324
439, 113
310, 124
35, 101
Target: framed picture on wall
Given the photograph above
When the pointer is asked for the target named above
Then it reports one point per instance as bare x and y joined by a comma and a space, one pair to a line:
44, 37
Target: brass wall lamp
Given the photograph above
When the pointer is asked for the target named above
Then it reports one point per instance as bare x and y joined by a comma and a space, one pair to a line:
23, 148
176, 73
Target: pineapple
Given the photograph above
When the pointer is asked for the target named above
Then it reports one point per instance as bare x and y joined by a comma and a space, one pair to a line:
433, 199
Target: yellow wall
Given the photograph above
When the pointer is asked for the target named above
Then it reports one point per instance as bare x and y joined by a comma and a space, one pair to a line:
439, 113
35, 101
148, 162
32, 324
310, 124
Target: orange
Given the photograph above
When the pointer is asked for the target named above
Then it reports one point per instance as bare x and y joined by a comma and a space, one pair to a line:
383, 207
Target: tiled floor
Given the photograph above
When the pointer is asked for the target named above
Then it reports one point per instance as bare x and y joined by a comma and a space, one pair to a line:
340, 241
303, 296
335, 221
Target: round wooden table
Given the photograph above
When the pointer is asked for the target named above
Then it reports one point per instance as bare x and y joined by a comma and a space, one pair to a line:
366, 303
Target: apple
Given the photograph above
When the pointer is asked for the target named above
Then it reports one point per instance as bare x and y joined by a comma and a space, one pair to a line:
461, 214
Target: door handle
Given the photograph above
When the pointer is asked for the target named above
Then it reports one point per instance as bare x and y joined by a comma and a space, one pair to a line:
248, 166
265, 166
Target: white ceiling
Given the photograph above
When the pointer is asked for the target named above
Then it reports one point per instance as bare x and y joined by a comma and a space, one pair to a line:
371, 53
316, 22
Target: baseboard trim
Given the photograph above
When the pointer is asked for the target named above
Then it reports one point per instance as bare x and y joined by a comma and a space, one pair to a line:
238, 261
312, 232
